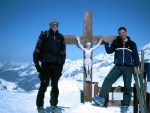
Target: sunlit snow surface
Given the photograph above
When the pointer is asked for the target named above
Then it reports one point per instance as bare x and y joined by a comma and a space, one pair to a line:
69, 100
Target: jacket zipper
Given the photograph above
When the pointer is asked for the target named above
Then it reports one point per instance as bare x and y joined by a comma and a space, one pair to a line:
54, 45
131, 62
123, 53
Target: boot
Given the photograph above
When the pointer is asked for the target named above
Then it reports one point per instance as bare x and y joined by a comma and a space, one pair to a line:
55, 109
41, 110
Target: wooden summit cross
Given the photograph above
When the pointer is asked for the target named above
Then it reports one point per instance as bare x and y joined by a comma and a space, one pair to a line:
87, 37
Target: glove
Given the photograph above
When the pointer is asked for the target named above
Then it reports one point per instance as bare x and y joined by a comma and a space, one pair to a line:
38, 68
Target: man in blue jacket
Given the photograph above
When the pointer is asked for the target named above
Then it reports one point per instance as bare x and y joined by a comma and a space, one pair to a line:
126, 60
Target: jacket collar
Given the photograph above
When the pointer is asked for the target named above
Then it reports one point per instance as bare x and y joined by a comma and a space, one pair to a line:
119, 38
52, 32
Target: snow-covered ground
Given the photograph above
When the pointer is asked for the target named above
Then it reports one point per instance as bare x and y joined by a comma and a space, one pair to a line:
69, 100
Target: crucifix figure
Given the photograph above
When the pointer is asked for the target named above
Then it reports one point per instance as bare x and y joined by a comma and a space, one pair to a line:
87, 37
88, 62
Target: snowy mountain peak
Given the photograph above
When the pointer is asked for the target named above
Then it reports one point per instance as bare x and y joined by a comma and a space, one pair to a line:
146, 47
6, 65
4, 85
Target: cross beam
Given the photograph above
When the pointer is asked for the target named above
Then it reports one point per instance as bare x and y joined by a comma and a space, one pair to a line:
87, 37
71, 39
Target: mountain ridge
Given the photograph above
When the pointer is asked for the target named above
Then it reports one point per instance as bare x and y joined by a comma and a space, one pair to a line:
26, 76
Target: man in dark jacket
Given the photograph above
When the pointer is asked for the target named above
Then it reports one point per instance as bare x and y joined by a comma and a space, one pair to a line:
126, 60
51, 51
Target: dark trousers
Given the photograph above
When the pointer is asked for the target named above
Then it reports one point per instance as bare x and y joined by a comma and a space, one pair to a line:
49, 72
112, 77
147, 71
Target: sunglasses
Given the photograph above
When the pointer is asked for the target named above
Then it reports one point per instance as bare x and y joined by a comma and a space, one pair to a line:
53, 25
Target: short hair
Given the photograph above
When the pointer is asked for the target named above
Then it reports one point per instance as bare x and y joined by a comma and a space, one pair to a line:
122, 28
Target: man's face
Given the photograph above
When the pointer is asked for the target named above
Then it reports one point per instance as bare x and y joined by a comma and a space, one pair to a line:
54, 27
122, 34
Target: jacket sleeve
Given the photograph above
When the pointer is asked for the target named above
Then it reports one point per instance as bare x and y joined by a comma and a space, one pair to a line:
136, 61
38, 49
109, 49
63, 51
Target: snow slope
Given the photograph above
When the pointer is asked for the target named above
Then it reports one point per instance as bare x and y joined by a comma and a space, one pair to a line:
69, 100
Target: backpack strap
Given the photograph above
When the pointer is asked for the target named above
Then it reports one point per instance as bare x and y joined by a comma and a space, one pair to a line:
44, 35
47, 34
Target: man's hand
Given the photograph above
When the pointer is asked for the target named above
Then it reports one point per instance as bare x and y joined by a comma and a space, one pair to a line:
104, 39
135, 70
38, 68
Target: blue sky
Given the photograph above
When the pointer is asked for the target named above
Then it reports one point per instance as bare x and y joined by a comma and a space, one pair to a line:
22, 20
